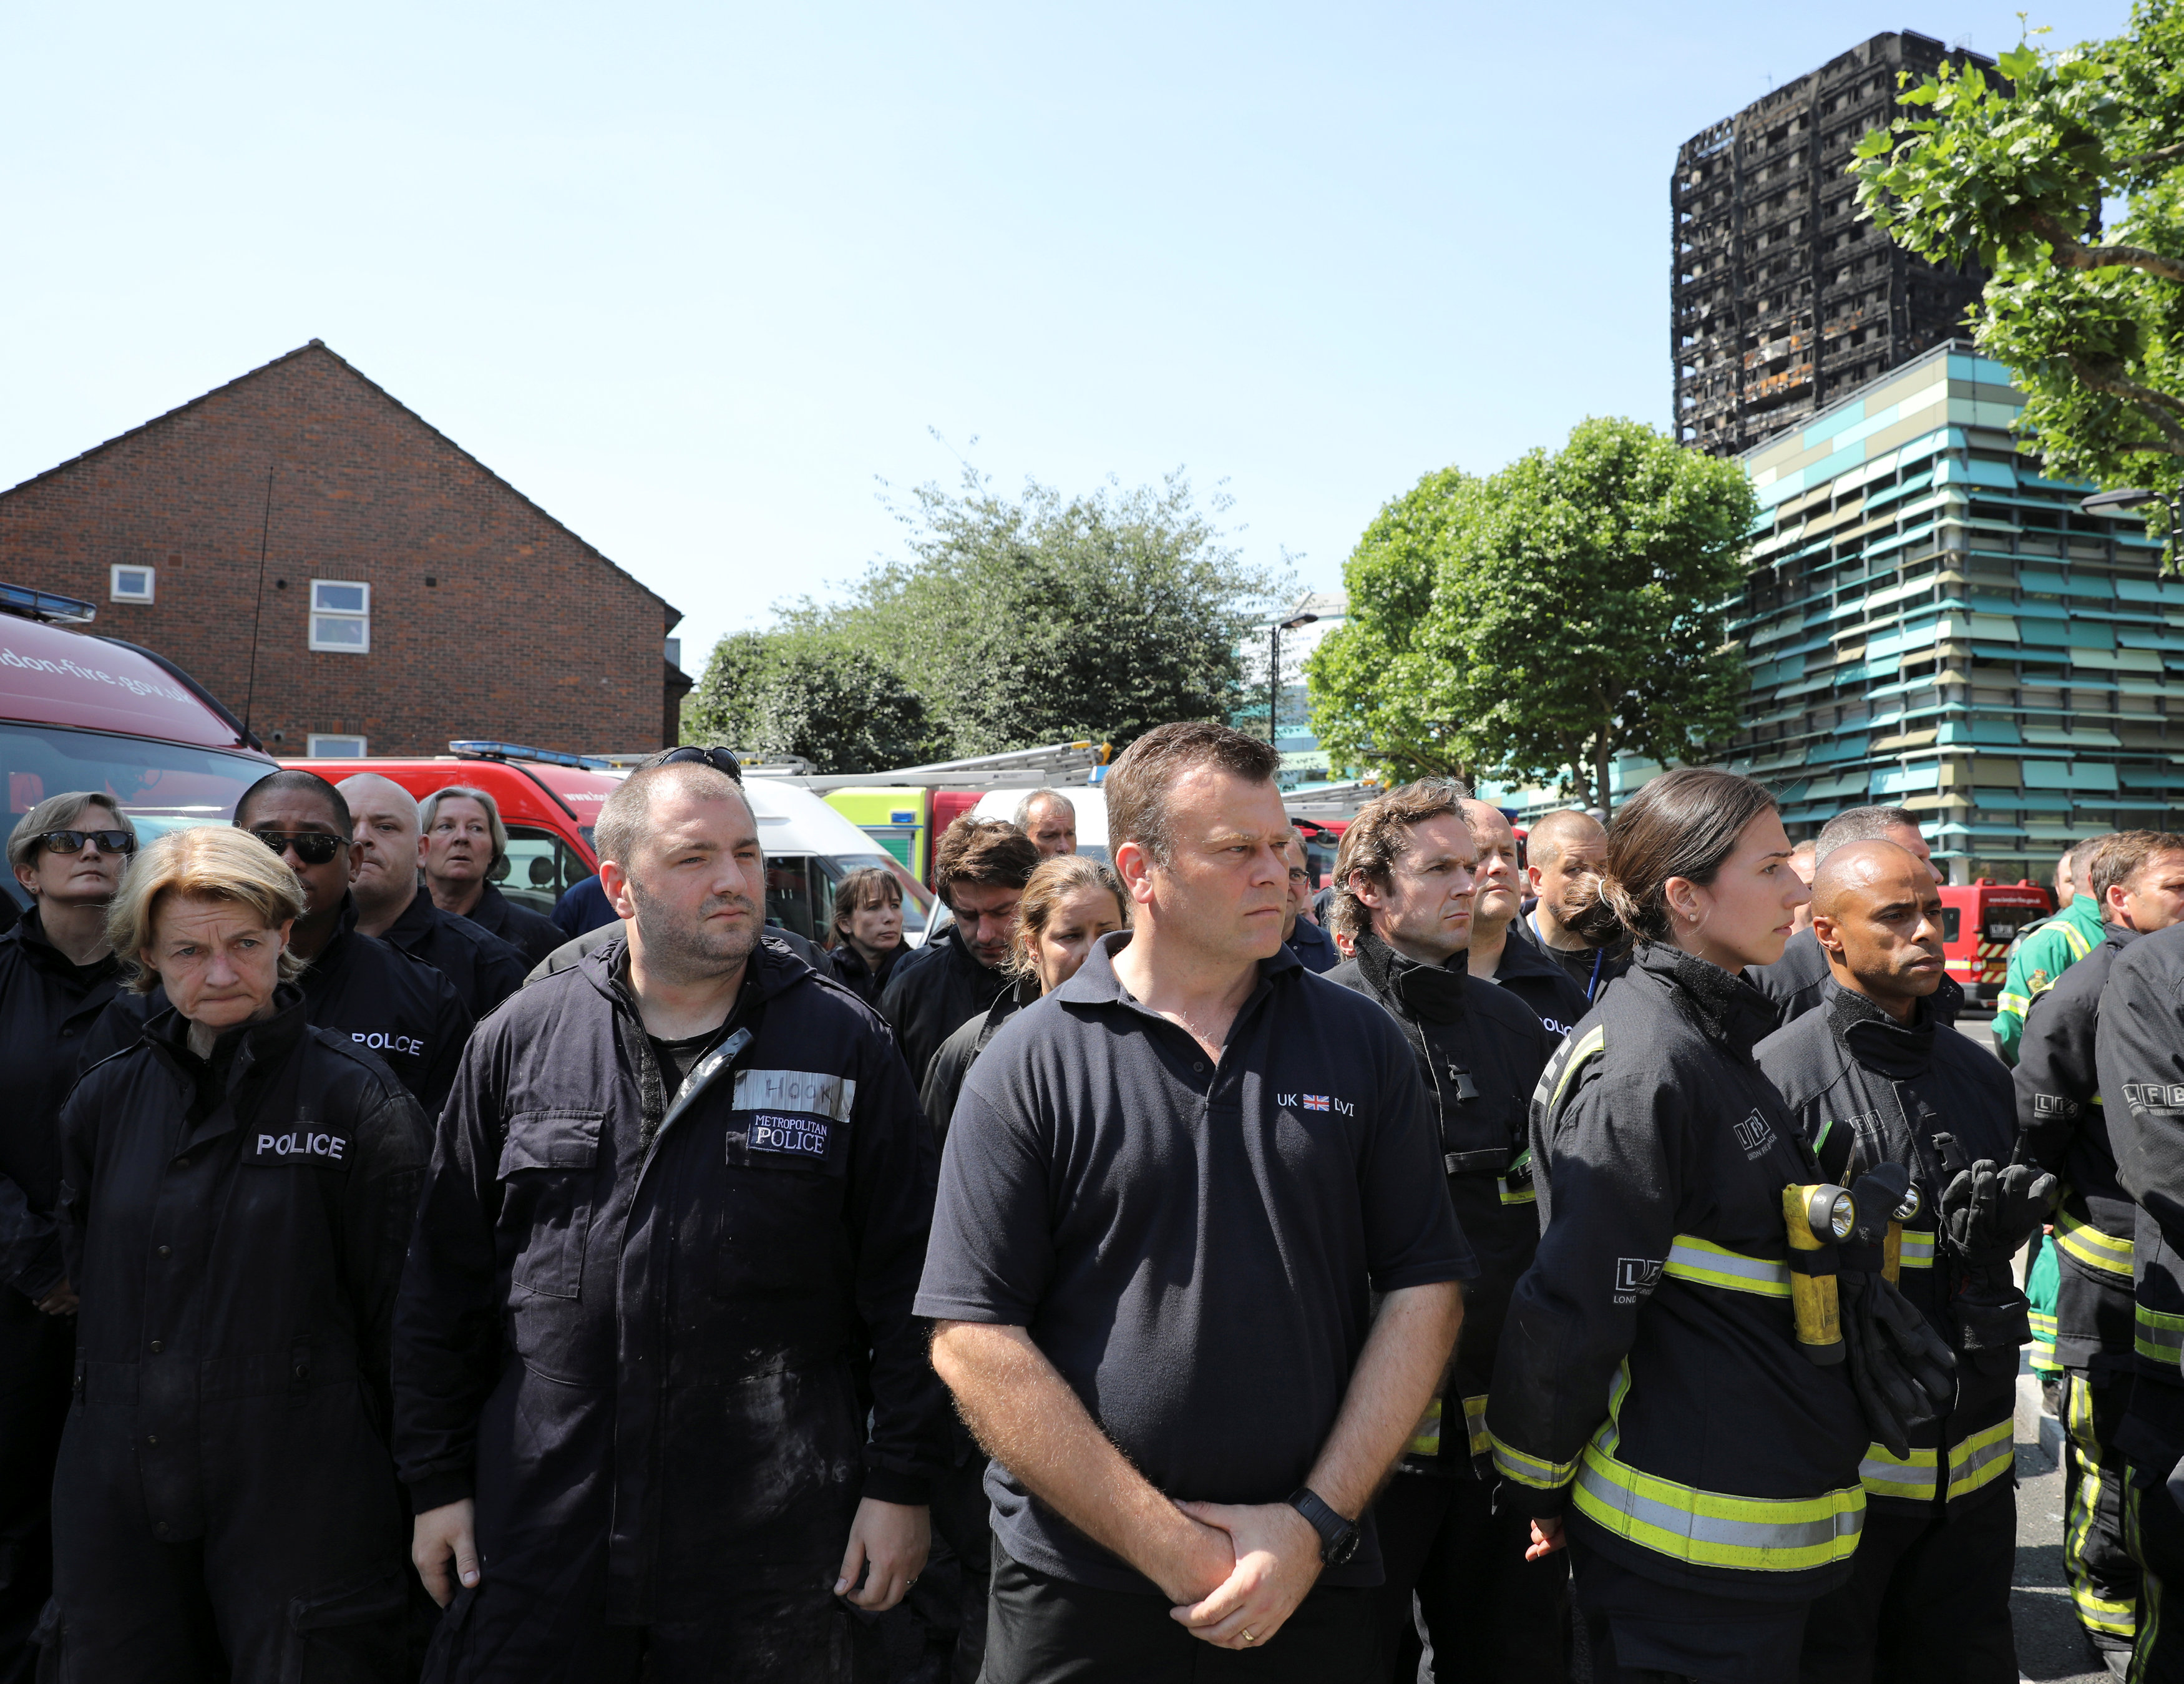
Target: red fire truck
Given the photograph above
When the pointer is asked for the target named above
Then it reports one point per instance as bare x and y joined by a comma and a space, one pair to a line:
1980, 921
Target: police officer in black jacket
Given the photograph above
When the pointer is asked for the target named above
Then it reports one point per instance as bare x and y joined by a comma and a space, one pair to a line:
979, 869
465, 843
660, 1400
2138, 876
392, 907
1871, 1079
58, 972
399, 1009
238, 1193
1404, 889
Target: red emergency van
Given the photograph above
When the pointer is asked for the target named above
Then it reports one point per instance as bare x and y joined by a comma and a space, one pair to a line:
1980, 921
79, 711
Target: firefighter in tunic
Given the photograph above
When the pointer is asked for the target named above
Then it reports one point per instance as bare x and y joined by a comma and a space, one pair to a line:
2139, 1050
237, 1191
1651, 1391
2137, 878
1405, 890
1871, 1078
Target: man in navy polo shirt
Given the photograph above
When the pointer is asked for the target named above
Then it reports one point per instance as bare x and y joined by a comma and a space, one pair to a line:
1170, 1191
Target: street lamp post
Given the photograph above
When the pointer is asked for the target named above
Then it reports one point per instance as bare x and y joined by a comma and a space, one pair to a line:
2133, 496
1274, 672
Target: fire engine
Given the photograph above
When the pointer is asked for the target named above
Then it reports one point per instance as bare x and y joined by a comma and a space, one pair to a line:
1980, 921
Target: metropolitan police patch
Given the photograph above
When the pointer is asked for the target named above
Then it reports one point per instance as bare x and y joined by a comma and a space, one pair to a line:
797, 1136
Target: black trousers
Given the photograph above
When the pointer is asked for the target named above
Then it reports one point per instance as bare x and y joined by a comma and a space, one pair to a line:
1048, 1631
1494, 1617
1640, 1631
2104, 1578
963, 1515
2153, 1526
761, 1626
1927, 1602
38, 1357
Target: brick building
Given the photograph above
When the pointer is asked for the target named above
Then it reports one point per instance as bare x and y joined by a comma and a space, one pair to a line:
408, 594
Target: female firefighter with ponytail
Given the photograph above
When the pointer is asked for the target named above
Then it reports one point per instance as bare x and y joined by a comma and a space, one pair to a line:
1663, 1390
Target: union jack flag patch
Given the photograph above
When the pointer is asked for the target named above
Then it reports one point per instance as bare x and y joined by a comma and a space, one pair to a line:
1315, 1102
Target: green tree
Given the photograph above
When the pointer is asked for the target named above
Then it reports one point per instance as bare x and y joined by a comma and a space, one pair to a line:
1382, 690
1541, 621
1048, 619
798, 693
2019, 171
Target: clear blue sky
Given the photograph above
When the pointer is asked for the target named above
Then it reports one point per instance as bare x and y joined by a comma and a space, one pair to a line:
696, 278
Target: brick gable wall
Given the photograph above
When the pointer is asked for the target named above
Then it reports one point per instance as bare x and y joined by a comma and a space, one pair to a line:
489, 619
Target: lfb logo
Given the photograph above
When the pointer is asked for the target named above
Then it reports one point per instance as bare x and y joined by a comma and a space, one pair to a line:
1754, 1135
2154, 1095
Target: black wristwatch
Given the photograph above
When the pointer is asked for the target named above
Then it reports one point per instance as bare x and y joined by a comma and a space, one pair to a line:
1338, 1538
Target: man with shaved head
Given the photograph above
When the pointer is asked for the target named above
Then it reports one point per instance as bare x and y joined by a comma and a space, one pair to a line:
1515, 966
1565, 852
1874, 1077
1794, 982
391, 905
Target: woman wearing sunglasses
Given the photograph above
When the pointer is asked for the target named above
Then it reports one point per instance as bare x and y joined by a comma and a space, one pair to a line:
57, 974
237, 1191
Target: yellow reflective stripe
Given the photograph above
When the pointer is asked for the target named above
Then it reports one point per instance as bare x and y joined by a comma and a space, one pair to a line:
1912, 1477
1474, 1423
2091, 1246
1980, 1458
1918, 1251
1512, 1463
2011, 1005
2157, 1335
1587, 1046
1525, 1194
1693, 1260
2075, 939
1426, 1439
1755, 1533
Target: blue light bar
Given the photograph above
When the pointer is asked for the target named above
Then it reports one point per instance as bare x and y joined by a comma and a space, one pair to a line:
478, 751
44, 604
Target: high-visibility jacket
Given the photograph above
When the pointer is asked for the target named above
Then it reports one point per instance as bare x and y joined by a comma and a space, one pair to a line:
2044, 954
1868, 1091
2061, 1126
1649, 1375
2139, 1049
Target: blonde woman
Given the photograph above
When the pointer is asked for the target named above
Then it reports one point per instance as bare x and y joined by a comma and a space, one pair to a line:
237, 1189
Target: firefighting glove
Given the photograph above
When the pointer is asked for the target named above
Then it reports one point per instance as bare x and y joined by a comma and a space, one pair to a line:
1903, 1375
1989, 1211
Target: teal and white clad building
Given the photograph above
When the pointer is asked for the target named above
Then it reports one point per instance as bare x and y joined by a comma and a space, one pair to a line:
1931, 623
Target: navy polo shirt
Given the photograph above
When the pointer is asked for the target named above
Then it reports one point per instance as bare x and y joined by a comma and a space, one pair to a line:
1193, 1246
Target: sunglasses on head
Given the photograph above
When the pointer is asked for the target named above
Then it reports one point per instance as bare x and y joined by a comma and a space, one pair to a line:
313, 847
719, 759
72, 841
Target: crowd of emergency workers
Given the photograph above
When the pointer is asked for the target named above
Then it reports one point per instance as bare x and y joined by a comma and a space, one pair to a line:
1599, 1258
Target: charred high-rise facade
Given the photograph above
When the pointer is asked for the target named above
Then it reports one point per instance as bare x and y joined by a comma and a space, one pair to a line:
1783, 298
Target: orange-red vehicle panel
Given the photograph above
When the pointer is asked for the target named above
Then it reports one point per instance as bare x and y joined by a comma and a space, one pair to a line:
1980, 921
563, 800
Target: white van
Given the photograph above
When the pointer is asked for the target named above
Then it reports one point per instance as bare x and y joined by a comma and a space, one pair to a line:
810, 848
1089, 801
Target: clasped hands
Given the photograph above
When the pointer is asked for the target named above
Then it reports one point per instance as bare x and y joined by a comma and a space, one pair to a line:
1237, 1572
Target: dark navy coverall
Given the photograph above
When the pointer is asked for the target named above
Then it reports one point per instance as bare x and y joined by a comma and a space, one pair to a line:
48, 1005
647, 1331
225, 1505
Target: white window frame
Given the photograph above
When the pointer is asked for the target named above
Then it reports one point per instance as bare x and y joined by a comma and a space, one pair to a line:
115, 594
360, 618
336, 745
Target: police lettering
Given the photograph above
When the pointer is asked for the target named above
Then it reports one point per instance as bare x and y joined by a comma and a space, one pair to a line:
302, 1143
380, 1040
804, 1136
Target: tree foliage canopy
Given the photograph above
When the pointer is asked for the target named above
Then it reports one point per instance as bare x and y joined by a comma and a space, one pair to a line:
1009, 624
2018, 171
1537, 621
800, 694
